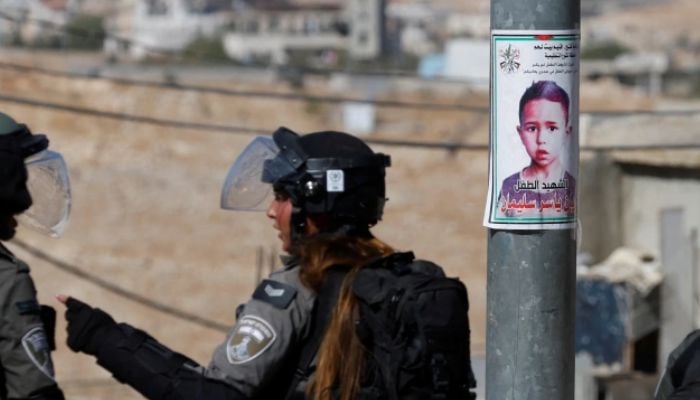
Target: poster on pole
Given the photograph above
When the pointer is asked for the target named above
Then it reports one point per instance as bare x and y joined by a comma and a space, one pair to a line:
534, 130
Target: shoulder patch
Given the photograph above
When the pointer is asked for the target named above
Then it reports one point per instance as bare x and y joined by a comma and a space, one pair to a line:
276, 293
27, 307
249, 339
22, 266
9, 261
36, 346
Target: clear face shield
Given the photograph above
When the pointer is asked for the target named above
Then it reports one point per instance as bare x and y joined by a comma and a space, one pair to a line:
49, 187
244, 189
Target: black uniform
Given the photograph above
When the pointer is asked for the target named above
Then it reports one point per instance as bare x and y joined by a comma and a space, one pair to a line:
681, 380
256, 360
26, 329
25, 353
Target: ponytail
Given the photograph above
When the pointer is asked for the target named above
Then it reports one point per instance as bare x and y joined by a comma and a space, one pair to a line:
341, 354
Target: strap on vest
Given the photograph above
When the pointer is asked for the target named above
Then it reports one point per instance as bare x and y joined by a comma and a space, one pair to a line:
325, 302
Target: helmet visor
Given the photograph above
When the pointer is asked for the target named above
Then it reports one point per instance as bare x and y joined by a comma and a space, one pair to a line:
49, 187
244, 188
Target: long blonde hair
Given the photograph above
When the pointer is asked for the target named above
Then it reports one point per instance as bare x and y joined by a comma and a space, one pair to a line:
341, 355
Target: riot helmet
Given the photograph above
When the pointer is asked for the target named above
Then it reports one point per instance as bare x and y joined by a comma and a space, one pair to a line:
33, 179
327, 172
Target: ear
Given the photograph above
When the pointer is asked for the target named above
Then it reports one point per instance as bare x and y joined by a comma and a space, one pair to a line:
317, 223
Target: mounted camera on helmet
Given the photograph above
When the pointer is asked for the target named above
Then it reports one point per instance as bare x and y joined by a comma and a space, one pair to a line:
326, 172
34, 179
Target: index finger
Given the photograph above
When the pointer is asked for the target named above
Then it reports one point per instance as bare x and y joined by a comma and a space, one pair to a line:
62, 298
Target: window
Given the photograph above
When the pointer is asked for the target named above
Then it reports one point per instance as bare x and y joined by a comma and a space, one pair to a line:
362, 39
157, 7
274, 24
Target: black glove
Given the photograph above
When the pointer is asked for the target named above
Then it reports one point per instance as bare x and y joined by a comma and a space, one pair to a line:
47, 393
88, 328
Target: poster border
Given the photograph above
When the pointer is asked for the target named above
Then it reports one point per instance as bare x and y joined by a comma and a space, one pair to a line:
520, 35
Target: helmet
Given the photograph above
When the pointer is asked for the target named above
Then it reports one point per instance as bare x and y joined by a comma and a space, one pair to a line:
33, 179
326, 172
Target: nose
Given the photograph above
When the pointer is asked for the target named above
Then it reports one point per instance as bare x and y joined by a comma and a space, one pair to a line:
539, 138
271, 210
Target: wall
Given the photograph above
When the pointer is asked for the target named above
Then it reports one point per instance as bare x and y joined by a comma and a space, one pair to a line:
599, 206
651, 190
648, 190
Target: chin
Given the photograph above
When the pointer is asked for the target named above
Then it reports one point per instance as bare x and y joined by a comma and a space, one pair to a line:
7, 233
8, 227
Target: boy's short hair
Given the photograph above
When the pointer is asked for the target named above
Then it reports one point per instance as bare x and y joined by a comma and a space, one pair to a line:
547, 90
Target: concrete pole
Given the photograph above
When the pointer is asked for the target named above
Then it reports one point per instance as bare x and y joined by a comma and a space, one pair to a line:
531, 274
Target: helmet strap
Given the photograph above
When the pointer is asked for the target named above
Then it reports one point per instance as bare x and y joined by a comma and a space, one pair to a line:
298, 223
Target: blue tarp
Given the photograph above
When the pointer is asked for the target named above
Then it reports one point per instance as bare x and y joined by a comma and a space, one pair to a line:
432, 66
601, 311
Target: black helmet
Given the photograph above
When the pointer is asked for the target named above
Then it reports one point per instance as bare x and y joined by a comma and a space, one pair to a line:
17, 139
33, 180
326, 172
16, 144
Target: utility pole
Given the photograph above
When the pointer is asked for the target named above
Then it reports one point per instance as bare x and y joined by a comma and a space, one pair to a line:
531, 260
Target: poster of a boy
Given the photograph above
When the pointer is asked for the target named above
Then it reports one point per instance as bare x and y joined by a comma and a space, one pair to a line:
544, 188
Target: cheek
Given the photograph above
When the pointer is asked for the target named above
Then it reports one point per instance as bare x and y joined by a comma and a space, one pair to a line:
561, 138
284, 214
528, 140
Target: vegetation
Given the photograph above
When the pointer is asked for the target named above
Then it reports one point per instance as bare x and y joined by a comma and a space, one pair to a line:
695, 86
603, 51
313, 107
85, 32
206, 51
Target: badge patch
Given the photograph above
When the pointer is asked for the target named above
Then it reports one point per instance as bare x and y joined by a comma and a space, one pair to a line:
251, 338
37, 348
276, 293
335, 180
272, 292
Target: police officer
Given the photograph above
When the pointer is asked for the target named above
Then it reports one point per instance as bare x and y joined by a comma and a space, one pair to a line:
29, 172
323, 191
681, 380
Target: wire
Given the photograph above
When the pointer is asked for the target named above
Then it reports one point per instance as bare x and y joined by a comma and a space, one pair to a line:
624, 113
134, 118
110, 287
449, 146
650, 146
247, 93
239, 130
305, 97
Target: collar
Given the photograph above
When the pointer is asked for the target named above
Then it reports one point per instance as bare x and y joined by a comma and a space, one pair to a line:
289, 261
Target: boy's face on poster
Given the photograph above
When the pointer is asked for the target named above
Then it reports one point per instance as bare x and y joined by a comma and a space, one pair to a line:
544, 130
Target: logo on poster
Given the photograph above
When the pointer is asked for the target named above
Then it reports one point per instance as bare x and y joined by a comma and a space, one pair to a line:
510, 59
